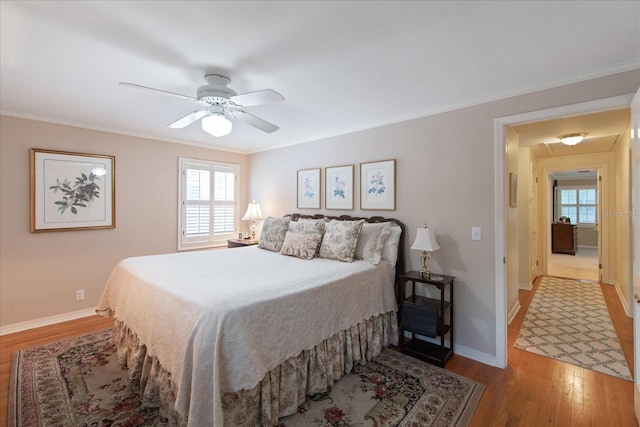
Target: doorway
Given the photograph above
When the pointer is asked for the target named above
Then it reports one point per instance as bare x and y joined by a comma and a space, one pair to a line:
501, 184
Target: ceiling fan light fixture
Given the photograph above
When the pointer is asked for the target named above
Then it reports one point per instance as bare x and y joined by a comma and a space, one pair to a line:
216, 124
572, 139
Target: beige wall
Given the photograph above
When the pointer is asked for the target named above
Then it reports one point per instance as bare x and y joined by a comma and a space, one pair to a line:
445, 176
40, 272
526, 225
622, 217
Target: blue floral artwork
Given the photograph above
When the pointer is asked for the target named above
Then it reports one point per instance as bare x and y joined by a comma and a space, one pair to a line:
377, 185
338, 186
308, 188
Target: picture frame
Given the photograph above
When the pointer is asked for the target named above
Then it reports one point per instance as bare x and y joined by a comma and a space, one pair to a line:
338, 188
513, 190
378, 185
309, 188
71, 191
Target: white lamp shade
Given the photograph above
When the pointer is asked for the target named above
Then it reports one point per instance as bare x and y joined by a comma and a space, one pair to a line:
425, 241
253, 212
216, 124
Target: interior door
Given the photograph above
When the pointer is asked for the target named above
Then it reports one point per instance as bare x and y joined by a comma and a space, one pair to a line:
599, 221
534, 250
635, 236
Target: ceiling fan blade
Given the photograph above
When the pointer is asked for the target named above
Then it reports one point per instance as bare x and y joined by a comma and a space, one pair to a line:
189, 118
256, 122
261, 97
177, 95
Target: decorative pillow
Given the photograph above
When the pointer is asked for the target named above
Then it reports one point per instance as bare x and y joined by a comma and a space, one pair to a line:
371, 241
390, 248
273, 231
301, 245
340, 239
303, 225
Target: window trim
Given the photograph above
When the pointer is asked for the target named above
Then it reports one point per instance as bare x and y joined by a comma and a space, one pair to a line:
183, 163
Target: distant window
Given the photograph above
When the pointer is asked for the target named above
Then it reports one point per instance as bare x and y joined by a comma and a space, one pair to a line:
579, 204
208, 208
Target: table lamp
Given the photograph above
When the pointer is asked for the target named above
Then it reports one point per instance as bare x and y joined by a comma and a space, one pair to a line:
426, 242
253, 213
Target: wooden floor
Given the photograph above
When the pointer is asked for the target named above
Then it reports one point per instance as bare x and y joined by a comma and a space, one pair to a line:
532, 391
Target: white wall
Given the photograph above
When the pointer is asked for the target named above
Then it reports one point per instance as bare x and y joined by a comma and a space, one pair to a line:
445, 176
40, 272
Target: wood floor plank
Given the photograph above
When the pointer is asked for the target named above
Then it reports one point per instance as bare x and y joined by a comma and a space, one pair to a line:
532, 391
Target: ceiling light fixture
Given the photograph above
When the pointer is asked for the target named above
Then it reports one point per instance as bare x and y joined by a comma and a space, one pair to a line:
216, 124
572, 139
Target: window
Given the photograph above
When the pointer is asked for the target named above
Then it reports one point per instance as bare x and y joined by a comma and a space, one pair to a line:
208, 211
580, 204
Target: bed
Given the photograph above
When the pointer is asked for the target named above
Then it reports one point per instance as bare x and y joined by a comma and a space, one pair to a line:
242, 336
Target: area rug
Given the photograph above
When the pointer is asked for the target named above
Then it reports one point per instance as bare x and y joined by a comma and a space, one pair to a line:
568, 320
78, 382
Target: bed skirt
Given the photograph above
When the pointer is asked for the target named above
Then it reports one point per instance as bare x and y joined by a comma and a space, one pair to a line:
281, 391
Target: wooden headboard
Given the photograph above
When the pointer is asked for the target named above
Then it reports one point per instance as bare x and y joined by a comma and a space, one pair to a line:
399, 263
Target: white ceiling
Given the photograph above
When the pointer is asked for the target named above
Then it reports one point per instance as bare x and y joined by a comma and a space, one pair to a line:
342, 66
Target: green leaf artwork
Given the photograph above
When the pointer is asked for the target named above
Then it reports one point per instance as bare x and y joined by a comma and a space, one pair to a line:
76, 194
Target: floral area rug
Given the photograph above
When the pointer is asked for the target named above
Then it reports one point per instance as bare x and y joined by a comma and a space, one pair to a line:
75, 382
392, 390
78, 382
568, 320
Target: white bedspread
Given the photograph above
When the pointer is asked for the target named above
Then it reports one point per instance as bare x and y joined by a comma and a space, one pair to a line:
219, 320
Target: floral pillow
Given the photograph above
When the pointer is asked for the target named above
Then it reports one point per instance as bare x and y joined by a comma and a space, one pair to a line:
314, 226
301, 245
272, 235
340, 239
371, 241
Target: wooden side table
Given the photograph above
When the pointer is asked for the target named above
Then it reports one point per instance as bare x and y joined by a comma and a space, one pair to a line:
427, 317
235, 243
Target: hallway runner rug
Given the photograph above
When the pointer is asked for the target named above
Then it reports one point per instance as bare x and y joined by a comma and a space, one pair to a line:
78, 382
568, 321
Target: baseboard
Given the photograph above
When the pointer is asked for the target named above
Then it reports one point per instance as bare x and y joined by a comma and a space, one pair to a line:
476, 355
461, 350
525, 286
516, 308
625, 304
46, 321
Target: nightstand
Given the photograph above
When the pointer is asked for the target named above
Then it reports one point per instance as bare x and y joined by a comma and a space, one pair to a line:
428, 317
235, 243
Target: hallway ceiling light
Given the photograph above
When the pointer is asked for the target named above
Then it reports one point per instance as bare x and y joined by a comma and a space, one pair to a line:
572, 139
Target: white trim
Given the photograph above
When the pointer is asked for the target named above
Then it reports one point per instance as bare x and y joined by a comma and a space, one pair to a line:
500, 196
46, 321
621, 297
525, 286
470, 353
514, 311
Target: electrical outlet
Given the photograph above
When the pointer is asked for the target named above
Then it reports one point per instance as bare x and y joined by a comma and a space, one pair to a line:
79, 294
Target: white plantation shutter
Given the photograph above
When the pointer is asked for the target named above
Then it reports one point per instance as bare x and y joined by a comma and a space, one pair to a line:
208, 211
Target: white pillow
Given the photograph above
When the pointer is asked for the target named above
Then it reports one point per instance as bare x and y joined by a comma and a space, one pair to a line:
390, 248
371, 241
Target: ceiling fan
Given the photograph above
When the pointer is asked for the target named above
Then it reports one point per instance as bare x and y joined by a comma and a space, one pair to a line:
220, 104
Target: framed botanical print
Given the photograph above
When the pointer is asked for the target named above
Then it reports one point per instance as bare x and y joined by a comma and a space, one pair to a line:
378, 185
309, 189
71, 191
338, 188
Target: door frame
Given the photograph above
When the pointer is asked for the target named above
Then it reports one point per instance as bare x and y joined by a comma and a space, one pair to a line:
501, 192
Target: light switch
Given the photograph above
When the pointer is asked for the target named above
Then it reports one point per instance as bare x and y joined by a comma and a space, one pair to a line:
476, 233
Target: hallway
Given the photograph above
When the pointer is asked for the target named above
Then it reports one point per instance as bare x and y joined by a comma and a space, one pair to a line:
583, 265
